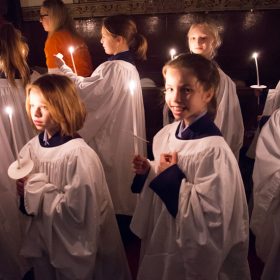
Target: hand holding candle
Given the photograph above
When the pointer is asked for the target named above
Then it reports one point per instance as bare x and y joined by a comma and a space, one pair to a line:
71, 50
132, 86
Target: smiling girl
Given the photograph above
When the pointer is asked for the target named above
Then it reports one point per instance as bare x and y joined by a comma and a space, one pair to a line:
71, 230
192, 214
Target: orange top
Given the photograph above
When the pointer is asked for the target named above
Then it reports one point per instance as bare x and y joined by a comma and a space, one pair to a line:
59, 42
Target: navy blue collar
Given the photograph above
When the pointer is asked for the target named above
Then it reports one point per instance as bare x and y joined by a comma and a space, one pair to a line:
126, 56
203, 127
56, 140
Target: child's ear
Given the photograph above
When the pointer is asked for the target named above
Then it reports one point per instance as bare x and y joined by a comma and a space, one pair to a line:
208, 95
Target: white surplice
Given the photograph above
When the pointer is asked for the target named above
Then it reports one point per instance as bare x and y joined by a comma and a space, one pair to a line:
208, 239
11, 265
108, 127
266, 211
73, 226
229, 117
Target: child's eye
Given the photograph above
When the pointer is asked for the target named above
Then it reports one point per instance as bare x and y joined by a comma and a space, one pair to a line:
168, 90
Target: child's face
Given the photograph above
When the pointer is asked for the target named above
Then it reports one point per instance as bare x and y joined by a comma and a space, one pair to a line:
40, 114
184, 95
109, 43
201, 41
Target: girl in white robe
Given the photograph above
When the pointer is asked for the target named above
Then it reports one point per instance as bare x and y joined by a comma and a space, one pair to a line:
204, 39
108, 128
191, 215
266, 211
71, 231
14, 75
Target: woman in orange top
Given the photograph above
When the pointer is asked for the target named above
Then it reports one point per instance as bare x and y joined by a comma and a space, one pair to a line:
57, 22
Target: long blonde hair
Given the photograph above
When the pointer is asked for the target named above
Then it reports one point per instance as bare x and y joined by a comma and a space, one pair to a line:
13, 54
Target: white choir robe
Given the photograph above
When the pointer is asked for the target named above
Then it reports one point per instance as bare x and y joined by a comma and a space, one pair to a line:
108, 128
11, 265
208, 238
229, 117
73, 226
266, 211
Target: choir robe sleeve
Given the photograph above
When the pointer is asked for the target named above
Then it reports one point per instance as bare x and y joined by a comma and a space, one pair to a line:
64, 217
209, 214
229, 117
266, 210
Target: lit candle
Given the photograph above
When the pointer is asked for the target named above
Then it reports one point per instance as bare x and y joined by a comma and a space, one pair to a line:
71, 50
9, 111
255, 56
172, 53
132, 86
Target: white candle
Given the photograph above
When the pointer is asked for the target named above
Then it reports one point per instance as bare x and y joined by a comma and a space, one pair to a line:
132, 86
255, 56
172, 53
71, 50
9, 111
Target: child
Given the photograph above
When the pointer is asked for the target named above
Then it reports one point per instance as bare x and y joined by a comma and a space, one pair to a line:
109, 126
191, 214
71, 232
62, 34
204, 39
14, 75
266, 212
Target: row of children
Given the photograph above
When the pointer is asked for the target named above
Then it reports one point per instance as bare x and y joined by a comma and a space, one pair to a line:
193, 210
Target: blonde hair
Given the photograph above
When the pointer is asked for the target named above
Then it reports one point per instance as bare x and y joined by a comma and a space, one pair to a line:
13, 54
63, 102
203, 69
213, 29
122, 25
59, 16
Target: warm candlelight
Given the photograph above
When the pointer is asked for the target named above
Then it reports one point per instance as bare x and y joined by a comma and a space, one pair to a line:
71, 50
172, 53
9, 111
132, 86
255, 56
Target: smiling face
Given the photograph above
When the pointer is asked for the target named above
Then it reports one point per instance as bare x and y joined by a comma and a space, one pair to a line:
40, 114
109, 42
184, 95
201, 40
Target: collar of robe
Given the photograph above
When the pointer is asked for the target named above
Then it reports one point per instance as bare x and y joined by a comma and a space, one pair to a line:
203, 127
56, 140
126, 56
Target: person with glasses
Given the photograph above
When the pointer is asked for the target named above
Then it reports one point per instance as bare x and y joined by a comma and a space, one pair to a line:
62, 35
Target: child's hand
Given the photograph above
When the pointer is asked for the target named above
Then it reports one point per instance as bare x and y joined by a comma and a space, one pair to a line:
141, 165
20, 186
58, 60
167, 160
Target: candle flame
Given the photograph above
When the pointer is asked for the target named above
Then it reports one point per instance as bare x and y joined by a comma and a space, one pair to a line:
132, 86
71, 49
9, 110
172, 53
255, 55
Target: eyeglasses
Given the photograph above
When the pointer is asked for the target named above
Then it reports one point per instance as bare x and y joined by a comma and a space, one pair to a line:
42, 16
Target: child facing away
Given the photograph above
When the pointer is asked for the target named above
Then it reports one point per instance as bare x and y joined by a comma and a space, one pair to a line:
191, 214
71, 231
107, 94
